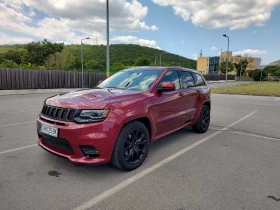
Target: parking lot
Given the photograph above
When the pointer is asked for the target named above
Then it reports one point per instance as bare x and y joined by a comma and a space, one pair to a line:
235, 165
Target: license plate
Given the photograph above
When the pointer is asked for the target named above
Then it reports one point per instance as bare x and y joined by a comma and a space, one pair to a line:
49, 130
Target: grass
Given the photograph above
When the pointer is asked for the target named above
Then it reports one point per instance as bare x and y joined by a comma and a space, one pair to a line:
257, 89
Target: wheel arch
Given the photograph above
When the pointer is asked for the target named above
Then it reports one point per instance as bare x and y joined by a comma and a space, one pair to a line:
145, 120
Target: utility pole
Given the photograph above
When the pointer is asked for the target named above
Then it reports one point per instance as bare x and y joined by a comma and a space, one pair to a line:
82, 59
108, 42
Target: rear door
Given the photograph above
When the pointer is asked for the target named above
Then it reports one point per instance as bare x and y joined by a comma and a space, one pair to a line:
190, 94
170, 107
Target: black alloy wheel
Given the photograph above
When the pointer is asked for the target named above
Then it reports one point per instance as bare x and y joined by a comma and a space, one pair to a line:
131, 147
135, 146
203, 121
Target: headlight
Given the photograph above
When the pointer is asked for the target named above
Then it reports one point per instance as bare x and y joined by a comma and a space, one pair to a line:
88, 116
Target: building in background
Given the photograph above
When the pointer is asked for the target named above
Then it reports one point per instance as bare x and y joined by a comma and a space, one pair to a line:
210, 65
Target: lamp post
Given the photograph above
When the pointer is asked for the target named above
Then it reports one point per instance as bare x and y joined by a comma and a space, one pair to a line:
82, 60
160, 57
108, 43
261, 71
227, 60
241, 68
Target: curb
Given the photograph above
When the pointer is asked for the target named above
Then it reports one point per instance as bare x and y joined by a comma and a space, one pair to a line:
34, 91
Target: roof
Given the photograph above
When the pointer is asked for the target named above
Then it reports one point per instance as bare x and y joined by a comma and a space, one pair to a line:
160, 68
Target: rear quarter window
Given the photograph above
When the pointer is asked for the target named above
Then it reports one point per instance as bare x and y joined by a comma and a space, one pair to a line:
198, 79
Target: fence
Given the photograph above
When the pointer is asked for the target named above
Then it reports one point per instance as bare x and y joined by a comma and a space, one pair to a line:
14, 79
217, 77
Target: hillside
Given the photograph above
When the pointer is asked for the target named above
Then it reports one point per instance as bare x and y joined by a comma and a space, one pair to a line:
275, 63
127, 54
121, 56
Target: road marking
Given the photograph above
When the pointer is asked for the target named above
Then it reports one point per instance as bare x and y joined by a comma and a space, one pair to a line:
20, 112
17, 124
277, 99
147, 171
20, 148
248, 134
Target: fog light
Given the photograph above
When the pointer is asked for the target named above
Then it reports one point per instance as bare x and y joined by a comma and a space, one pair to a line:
89, 151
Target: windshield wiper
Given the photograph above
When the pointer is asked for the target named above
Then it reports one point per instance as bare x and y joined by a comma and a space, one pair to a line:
114, 88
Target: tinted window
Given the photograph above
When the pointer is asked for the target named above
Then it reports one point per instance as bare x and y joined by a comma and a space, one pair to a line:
137, 80
172, 76
198, 80
186, 79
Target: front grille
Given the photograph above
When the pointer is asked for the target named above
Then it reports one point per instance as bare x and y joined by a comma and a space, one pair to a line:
58, 113
58, 143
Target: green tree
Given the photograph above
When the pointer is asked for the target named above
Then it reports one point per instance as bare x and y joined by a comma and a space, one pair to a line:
223, 65
277, 73
38, 52
256, 74
93, 64
51, 49
13, 55
142, 61
242, 63
118, 66
271, 69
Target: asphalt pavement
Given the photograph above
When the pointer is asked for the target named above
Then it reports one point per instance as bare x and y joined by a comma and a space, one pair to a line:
235, 165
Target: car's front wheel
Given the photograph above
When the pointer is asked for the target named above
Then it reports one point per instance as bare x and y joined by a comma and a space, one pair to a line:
131, 147
203, 121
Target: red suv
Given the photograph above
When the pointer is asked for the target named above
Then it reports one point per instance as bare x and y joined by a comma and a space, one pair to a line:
118, 120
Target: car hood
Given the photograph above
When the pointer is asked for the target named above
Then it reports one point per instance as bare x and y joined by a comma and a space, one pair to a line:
91, 98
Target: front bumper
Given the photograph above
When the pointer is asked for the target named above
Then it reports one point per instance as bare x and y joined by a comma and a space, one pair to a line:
72, 136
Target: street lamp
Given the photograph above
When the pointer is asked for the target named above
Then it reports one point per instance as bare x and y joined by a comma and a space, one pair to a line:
227, 61
82, 60
261, 70
160, 57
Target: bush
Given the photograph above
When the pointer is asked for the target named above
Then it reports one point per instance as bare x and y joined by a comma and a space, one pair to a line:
256, 74
8, 64
118, 66
142, 61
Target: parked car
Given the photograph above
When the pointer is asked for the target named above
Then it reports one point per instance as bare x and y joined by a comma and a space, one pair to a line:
118, 120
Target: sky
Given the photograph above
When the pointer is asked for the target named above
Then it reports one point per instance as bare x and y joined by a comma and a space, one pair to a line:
182, 27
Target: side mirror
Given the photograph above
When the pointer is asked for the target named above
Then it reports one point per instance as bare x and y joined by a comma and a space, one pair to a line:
100, 81
167, 86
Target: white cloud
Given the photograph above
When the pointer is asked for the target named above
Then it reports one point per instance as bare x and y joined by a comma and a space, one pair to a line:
250, 52
154, 28
234, 14
195, 56
7, 39
136, 40
213, 48
67, 20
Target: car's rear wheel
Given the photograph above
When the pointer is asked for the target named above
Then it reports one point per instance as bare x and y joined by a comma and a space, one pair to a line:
203, 121
131, 147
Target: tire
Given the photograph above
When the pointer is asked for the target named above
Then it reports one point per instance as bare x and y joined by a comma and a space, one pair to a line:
203, 121
130, 145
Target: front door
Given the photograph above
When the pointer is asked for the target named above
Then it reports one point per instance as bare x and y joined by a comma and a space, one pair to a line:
170, 106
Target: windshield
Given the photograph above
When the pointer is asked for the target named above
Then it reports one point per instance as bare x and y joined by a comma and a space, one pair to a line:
136, 80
